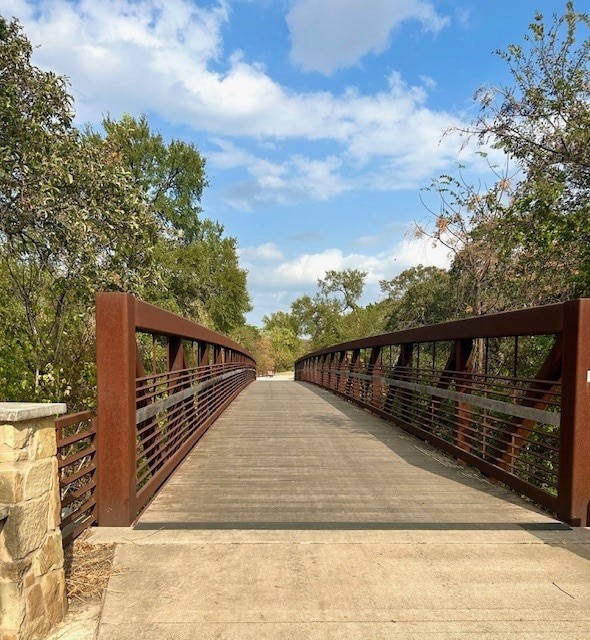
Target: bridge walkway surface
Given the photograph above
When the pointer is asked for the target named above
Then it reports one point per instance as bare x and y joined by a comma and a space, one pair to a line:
300, 516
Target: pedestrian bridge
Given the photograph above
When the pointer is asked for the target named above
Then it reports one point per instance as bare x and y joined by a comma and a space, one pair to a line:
379, 494
505, 395
299, 515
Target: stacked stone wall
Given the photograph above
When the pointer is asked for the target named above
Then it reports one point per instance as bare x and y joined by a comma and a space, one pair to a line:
32, 582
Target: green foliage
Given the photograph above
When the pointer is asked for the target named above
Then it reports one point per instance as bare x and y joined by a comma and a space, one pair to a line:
170, 175
349, 283
200, 277
319, 319
71, 222
333, 314
282, 341
525, 240
81, 212
418, 296
542, 121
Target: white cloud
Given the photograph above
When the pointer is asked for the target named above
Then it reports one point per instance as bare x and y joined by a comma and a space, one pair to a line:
275, 286
329, 34
124, 55
412, 251
307, 268
294, 179
168, 56
304, 270
267, 251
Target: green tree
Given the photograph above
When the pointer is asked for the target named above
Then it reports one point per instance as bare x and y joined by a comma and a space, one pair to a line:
418, 296
319, 320
542, 121
468, 220
349, 284
334, 315
198, 266
71, 221
284, 344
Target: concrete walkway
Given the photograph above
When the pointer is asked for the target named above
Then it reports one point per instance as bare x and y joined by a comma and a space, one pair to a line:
301, 516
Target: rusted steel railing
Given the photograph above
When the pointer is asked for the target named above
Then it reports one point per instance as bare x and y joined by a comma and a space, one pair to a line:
149, 421
76, 455
507, 393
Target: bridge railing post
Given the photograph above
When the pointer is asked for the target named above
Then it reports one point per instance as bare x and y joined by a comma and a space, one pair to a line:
116, 373
574, 435
374, 371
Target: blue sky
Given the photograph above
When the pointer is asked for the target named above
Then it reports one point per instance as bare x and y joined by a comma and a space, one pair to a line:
321, 120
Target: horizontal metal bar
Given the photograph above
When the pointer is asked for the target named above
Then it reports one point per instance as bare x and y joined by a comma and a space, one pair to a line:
147, 490
85, 470
74, 515
145, 413
77, 437
514, 410
72, 496
73, 418
73, 530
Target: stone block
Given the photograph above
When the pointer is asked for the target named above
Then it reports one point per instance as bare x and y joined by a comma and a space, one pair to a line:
17, 435
53, 585
14, 570
26, 528
12, 606
44, 440
50, 556
35, 603
11, 482
54, 513
38, 478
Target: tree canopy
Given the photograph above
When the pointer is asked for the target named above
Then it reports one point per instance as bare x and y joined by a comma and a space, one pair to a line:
82, 211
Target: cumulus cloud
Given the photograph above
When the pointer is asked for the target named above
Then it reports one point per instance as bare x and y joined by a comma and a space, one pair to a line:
122, 55
330, 34
296, 178
267, 252
304, 270
168, 56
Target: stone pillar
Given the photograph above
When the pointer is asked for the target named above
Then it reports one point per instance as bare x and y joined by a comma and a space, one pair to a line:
32, 582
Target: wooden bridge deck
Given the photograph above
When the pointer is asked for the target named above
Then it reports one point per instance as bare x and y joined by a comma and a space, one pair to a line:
300, 516
289, 455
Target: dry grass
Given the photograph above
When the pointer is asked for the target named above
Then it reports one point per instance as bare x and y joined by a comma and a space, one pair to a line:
88, 568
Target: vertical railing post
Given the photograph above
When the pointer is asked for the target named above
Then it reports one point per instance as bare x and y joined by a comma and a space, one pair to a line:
341, 383
404, 361
203, 351
375, 373
355, 370
177, 381
574, 435
463, 367
330, 360
116, 366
